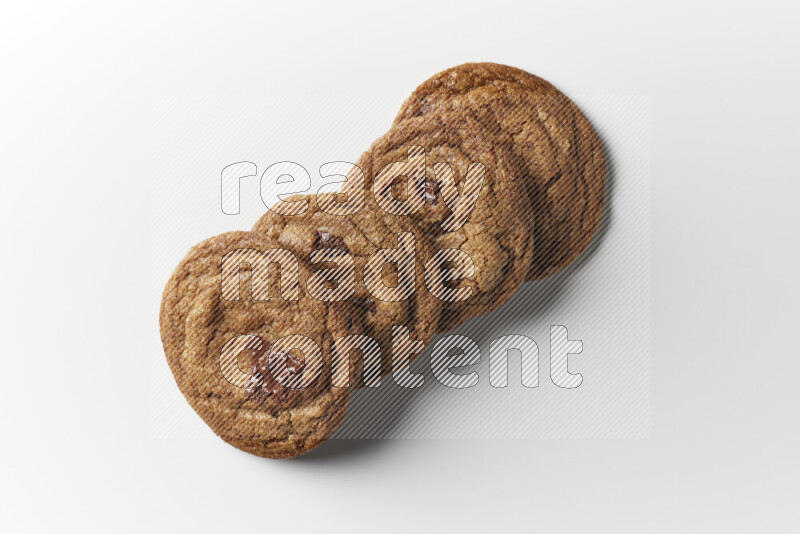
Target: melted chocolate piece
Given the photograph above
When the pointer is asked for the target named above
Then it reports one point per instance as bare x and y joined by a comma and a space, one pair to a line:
365, 303
327, 240
431, 191
274, 377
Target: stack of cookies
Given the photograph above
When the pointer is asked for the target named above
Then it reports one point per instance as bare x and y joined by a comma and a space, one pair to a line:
488, 177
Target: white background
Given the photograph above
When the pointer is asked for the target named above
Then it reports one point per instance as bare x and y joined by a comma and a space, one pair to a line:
79, 81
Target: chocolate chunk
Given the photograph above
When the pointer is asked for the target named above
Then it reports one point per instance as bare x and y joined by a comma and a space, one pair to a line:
327, 240
431, 191
365, 303
273, 377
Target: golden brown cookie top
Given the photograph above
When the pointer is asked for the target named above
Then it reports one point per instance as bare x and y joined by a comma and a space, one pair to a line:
396, 296
449, 175
464, 78
253, 353
556, 151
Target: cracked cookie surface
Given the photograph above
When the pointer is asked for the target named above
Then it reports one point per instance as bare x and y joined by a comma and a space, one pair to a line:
495, 234
555, 149
358, 235
222, 342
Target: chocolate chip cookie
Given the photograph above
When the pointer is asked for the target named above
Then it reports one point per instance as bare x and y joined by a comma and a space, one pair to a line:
351, 238
449, 175
557, 152
255, 356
